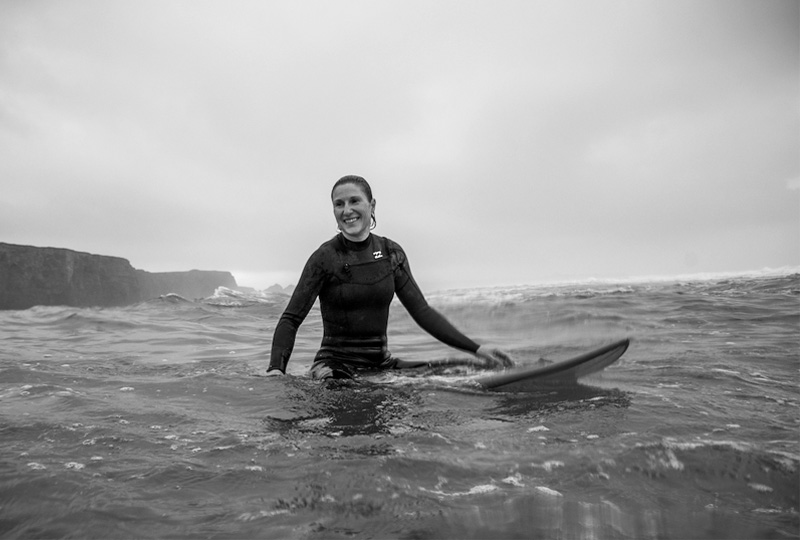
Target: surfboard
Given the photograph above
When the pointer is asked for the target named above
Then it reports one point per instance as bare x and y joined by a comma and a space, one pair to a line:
564, 370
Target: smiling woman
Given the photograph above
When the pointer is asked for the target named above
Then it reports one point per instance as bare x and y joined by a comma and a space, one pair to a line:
356, 275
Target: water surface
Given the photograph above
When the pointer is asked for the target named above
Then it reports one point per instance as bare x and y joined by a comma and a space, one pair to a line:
155, 420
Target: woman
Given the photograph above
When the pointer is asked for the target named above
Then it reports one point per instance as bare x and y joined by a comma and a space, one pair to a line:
355, 275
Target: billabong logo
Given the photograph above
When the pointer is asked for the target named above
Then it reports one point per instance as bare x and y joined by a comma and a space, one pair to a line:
377, 254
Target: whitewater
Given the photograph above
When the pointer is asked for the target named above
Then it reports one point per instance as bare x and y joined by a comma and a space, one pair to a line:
156, 420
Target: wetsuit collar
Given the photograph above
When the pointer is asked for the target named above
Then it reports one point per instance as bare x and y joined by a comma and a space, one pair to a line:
355, 246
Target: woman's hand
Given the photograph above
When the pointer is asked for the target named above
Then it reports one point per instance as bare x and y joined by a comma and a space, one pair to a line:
495, 358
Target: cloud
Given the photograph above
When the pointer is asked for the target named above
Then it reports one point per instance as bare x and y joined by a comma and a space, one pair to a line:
504, 141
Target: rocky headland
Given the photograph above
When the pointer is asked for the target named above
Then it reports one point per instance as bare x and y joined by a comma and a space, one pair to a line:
45, 276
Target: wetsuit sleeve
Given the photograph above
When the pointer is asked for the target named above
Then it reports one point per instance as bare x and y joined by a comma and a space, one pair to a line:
303, 298
414, 301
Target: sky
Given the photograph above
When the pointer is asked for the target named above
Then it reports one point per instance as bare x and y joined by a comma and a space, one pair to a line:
506, 142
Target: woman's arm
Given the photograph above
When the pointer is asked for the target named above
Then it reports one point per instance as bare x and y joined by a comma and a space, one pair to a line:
428, 318
303, 298
431, 320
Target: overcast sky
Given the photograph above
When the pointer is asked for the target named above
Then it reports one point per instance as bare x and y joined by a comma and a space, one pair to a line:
506, 142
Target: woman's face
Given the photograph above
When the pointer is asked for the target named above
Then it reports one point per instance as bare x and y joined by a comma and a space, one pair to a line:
353, 211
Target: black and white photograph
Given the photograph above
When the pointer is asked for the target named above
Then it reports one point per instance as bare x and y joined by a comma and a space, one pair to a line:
400, 269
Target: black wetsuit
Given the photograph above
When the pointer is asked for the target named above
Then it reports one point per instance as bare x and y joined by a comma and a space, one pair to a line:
355, 283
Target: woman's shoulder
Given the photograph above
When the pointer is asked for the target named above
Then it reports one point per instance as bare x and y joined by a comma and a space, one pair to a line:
325, 251
390, 244
330, 244
394, 249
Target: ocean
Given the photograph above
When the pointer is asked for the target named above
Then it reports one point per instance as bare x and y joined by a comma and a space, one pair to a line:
156, 420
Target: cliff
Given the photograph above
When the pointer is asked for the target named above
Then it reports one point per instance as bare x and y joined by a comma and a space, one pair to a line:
192, 284
31, 276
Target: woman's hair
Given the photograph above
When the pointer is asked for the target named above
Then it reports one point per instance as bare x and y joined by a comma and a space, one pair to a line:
363, 185
357, 180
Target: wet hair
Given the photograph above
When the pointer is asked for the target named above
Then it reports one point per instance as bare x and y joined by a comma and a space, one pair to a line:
363, 185
358, 181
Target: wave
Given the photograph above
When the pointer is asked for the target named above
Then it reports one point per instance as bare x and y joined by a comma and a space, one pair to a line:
766, 272
225, 297
784, 281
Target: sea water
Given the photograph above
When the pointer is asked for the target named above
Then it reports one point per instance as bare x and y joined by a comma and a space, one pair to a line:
156, 421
